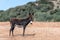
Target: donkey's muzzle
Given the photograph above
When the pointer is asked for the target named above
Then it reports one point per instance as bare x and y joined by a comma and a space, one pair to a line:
31, 22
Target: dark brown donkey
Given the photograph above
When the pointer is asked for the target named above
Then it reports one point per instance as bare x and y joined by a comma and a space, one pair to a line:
22, 22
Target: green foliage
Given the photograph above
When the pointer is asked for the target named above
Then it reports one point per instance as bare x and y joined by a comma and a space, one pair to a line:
39, 10
39, 16
42, 16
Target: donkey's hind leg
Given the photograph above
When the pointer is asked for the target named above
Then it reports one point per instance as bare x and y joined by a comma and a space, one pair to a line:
11, 30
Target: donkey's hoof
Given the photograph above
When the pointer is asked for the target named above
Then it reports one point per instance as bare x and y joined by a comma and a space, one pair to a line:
12, 35
23, 35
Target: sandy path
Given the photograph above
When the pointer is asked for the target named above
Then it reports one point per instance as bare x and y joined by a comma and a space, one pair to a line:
32, 33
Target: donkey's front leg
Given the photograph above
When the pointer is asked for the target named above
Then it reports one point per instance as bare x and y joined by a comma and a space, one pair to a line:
24, 30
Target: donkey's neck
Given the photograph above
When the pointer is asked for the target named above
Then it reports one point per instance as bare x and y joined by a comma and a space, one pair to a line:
27, 21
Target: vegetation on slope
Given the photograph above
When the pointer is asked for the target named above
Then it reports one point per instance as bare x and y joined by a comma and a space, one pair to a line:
39, 8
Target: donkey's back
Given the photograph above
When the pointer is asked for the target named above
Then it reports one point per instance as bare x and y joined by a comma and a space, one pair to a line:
17, 21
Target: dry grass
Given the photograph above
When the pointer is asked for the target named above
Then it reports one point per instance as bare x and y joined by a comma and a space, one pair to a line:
36, 31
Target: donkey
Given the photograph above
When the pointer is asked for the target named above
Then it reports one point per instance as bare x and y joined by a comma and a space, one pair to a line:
22, 22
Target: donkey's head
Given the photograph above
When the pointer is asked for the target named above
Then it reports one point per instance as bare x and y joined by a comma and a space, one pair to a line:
31, 17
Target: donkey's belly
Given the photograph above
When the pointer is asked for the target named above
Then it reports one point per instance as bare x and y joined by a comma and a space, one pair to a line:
21, 23
19, 26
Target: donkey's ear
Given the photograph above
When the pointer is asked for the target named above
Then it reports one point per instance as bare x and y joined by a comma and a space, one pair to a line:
33, 13
29, 13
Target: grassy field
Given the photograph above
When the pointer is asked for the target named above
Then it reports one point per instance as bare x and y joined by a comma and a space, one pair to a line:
36, 31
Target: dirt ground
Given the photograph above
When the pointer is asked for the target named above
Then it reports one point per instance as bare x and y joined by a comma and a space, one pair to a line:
36, 31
